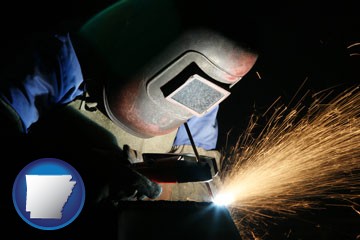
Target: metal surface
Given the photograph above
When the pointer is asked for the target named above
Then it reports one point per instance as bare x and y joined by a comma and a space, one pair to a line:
167, 220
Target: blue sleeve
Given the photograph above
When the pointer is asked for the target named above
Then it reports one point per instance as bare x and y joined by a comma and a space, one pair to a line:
49, 75
204, 131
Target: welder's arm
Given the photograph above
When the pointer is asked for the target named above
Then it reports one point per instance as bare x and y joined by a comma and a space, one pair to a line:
204, 131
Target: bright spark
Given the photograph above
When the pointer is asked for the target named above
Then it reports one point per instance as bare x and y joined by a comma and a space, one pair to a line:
224, 199
353, 45
258, 74
295, 160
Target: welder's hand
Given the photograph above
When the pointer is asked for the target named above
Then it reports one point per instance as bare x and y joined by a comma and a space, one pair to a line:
132, 155
124, 183
129, 184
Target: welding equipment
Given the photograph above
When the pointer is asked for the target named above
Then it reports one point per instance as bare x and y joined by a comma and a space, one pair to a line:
177, 168
162, 72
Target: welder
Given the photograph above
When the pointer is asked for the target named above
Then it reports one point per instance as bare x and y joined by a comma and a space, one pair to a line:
147, 70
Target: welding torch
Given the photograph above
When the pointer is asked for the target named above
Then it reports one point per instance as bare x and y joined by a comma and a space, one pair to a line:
178, 168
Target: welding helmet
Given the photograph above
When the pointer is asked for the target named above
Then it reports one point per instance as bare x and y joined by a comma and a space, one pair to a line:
163, 72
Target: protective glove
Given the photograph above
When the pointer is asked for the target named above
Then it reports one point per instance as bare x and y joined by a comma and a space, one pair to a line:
124, 183
129, 184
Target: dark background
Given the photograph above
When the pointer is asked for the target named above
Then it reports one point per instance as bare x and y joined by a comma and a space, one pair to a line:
295, 41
